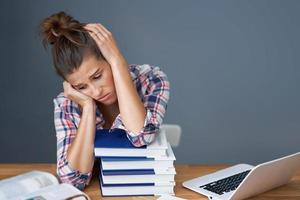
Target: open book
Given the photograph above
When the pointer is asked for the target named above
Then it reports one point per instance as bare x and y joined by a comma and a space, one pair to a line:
38, 185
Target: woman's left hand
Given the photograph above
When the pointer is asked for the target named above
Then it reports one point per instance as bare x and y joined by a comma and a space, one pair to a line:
106, 43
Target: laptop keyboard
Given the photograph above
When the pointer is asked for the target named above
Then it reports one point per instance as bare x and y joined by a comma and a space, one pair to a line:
226, 184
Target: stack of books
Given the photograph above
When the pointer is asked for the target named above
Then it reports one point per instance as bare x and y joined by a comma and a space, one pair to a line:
126, 170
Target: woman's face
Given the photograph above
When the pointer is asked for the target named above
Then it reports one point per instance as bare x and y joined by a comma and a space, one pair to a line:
94, 78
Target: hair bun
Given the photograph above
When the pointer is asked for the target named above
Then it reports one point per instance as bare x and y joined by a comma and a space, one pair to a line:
59, 25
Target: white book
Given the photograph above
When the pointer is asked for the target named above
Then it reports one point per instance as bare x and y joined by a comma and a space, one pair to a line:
118, 163
37, 185
136, 190
158, 177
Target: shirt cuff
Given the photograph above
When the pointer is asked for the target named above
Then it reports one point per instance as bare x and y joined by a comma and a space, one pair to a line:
68, 174
146, 135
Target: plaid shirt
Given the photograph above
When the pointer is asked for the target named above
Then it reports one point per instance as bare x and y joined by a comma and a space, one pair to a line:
153, 88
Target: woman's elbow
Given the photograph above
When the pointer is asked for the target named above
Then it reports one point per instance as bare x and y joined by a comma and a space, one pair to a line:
73, 177
144, 139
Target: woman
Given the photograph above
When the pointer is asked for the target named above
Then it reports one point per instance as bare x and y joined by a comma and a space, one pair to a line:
100, 91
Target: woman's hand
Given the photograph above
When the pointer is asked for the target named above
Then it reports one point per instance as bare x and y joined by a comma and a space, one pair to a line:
81, 99
106, 43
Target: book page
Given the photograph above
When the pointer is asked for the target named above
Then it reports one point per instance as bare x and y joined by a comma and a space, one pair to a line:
169, 197
62, 191
12, 188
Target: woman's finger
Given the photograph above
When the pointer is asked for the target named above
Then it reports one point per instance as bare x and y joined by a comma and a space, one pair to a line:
66, 85
93, 28
98, 37
95, 31
103, 29
97, 28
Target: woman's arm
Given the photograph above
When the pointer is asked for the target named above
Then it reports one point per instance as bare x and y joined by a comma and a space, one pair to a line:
140, 118
131, 107
81, 151
75, 145
154, 88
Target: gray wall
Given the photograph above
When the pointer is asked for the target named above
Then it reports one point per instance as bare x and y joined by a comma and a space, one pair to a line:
233, 68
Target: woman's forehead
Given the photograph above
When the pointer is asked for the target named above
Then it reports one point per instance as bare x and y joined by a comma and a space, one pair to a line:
88, 68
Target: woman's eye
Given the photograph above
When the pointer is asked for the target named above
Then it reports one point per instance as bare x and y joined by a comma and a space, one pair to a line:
81, 88
98, 76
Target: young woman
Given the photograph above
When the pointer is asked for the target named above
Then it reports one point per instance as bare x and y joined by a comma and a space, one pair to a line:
100, 91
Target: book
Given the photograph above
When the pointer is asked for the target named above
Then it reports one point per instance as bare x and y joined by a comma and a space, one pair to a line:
126, 170
131, 190
114, 142
114, 163
157, 177
170, 170
38, 185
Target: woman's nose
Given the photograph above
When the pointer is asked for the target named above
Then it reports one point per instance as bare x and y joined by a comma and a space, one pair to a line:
96, 92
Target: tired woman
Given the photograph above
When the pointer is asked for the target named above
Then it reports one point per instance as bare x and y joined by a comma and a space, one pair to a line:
101, 91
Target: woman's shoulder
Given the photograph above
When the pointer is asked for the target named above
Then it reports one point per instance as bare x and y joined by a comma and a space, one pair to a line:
141, 71
62, 102
60, 99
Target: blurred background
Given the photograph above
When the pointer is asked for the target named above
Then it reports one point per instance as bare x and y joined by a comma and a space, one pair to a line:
233, 68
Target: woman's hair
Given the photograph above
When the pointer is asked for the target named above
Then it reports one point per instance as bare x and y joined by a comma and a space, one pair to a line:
69, 42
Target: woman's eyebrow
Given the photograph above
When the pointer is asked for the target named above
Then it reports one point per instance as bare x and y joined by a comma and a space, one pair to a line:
93, 74
77, 85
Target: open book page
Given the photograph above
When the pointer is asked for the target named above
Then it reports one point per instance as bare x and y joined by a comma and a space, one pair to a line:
15, 187
169, 197
62, 191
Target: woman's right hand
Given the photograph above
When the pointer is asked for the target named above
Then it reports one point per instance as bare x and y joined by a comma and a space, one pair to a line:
81, 99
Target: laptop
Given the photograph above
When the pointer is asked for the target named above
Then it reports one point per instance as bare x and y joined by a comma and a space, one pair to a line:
242, 181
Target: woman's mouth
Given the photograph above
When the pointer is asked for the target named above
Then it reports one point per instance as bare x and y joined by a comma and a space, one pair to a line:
105, 97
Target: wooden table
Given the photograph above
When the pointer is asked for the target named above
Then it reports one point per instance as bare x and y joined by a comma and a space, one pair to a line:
290, 191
